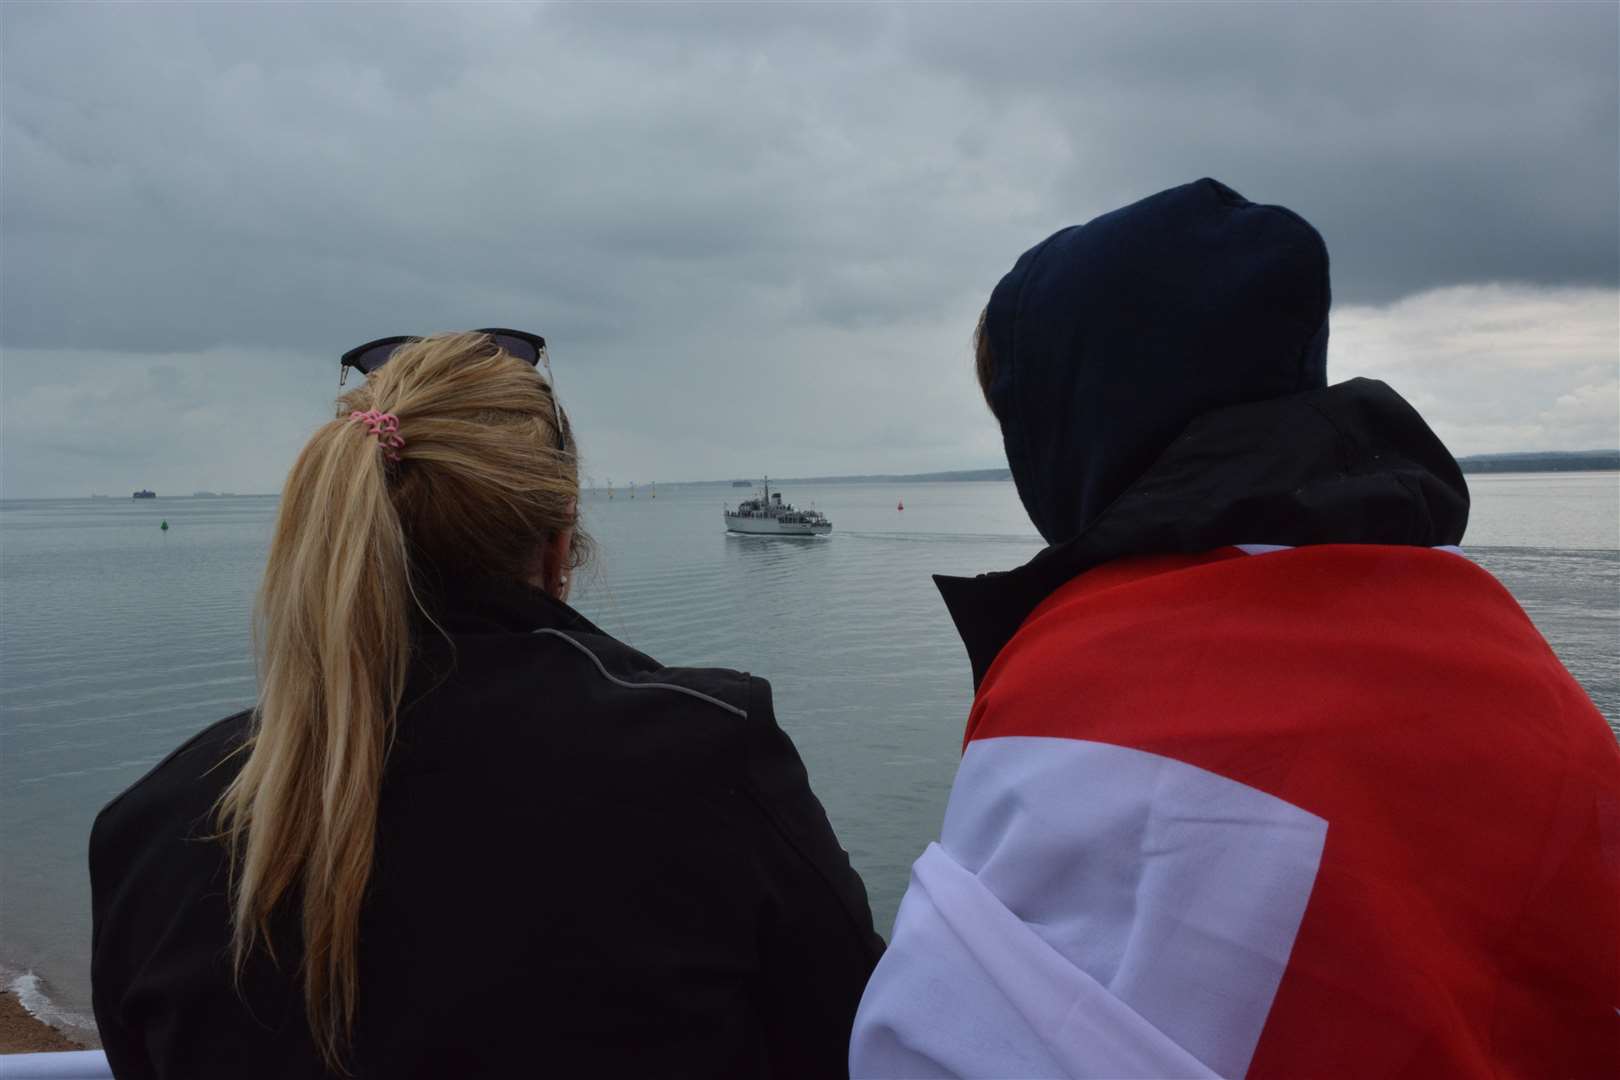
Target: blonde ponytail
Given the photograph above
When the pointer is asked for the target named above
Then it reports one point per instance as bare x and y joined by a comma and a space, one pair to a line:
475, 486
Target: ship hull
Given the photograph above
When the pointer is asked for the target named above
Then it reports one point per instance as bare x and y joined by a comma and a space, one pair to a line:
764, 526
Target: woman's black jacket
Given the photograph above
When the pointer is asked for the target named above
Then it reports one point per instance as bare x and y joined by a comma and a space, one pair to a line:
587, 865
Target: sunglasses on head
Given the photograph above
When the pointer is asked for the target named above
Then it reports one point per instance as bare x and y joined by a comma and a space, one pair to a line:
530, 348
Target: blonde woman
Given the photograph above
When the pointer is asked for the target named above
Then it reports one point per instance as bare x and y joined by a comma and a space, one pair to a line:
464, 832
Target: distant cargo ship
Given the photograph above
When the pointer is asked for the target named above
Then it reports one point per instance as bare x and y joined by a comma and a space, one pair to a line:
742, 483
144, 494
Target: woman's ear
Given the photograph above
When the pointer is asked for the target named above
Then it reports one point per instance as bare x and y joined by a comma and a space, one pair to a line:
554, 564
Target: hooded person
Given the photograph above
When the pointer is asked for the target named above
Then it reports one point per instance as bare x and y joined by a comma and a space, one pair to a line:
1262, 777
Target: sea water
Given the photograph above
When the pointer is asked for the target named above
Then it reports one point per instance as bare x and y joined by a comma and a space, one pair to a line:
118, 640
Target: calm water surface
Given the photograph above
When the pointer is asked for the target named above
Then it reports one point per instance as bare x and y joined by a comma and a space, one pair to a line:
118, 640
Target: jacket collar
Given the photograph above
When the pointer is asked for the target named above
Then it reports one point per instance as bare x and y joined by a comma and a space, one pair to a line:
485, 605
1348, 464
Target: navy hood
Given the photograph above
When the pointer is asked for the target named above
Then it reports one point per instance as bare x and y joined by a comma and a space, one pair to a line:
1111, 337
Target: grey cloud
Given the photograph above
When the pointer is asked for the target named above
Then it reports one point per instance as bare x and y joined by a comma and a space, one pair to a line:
1495, 366
230, 174
698, 203
81, 421
1431, 144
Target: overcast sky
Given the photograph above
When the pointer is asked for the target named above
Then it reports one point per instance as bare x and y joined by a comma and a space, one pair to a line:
757, 237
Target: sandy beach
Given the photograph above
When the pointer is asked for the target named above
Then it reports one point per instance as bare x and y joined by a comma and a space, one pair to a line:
22, 1033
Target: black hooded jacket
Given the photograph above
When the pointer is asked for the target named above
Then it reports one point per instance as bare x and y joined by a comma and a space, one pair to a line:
1111, 337
1160, 378
587, 865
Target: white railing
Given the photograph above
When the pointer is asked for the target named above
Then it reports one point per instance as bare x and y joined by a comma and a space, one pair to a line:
71, 1065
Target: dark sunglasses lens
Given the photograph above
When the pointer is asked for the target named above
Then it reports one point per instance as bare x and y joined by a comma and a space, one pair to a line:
376, 356
521, 348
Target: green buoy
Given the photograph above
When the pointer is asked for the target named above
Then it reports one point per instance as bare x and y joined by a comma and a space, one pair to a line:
164, 526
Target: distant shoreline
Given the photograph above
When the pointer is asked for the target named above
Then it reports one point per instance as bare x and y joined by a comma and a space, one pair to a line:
1568, 461
1529, 462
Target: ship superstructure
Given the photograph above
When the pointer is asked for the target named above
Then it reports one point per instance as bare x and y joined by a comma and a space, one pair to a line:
768, 515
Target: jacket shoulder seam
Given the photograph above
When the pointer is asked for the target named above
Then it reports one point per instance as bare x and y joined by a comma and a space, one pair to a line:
628, 685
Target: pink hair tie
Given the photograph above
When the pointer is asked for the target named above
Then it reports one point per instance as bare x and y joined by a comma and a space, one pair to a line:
384, 425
